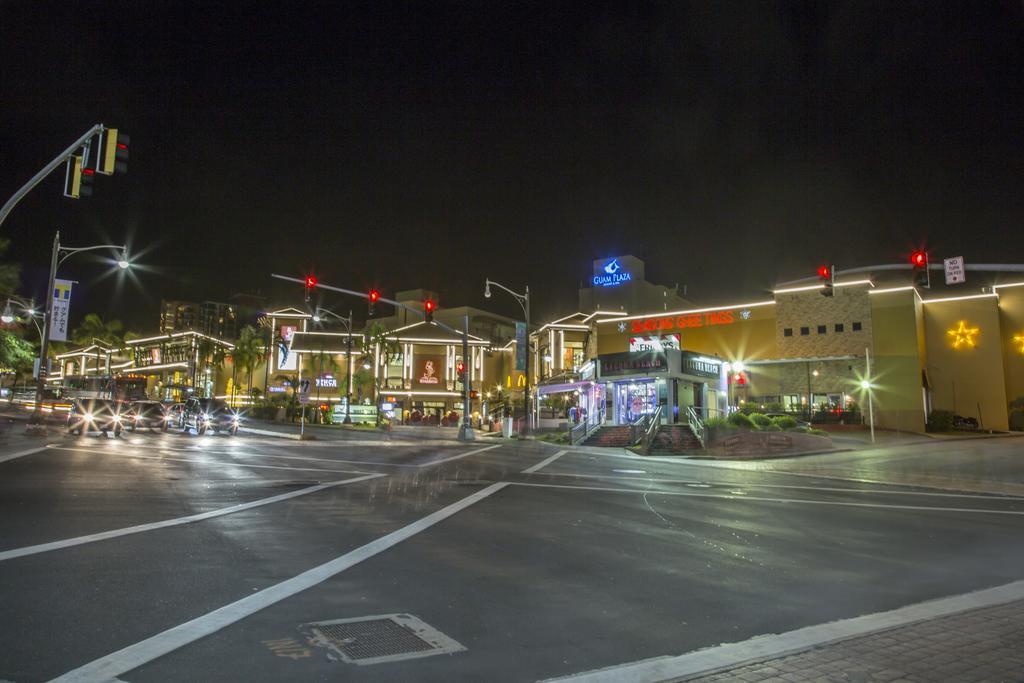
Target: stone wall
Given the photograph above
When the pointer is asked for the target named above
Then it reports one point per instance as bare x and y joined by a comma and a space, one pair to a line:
812, 311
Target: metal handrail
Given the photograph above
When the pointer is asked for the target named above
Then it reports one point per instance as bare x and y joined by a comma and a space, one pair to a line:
696, 425
583, 430
650, 431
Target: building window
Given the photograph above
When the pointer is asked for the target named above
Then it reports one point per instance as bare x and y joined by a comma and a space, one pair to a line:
821, 329
839, 327
788, 332
804, 331
856, 327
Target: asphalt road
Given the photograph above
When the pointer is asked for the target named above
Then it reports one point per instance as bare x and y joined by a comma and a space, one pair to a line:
158, 557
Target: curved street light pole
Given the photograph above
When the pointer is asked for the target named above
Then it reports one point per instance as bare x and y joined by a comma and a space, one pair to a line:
59, 255
524, 303
348, 358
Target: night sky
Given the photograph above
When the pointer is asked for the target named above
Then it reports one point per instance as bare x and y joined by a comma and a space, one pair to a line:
401, 145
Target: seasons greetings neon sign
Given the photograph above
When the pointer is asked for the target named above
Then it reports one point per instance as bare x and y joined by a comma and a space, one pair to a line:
681, 322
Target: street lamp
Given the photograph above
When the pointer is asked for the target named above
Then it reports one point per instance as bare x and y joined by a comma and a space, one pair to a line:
524, 303
57, 257
8, 315
348, 353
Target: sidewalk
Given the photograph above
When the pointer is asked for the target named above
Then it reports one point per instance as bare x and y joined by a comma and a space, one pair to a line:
985, 644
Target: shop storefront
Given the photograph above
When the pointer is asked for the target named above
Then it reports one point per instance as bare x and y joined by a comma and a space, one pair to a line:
638, 383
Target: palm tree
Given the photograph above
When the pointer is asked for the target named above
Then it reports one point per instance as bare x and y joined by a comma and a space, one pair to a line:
93, 328
249, 351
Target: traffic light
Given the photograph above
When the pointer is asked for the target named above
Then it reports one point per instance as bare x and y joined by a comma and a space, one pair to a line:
428, 310
460, 368
77, 180
919, 262
113, 152
827, 275
310, 284
372, 297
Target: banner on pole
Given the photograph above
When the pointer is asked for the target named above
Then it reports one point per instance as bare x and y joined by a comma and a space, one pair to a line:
521, 347
60, 307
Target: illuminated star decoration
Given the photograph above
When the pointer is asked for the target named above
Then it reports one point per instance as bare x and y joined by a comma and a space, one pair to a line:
963, 335
1020, 340
622, 327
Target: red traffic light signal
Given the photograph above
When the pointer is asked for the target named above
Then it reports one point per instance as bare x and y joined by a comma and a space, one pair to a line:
428, 306
374, 296
460, 367
827, 275
310, 281
919, 262
919, 259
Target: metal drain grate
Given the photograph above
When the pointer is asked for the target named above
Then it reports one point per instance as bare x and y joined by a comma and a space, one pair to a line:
381, 638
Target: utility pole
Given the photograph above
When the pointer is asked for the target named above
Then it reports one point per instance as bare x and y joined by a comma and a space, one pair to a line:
466, 429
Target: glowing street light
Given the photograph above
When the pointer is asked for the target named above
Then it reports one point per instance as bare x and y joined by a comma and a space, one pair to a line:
8, 315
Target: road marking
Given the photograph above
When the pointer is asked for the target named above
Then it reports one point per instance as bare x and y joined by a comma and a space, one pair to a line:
800, 501
631, 471
177, 521
544, 463
760, 648
21, 454
693, 482
200, 461
457, 457
134, 656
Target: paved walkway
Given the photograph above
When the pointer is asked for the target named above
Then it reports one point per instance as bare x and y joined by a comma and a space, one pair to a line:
979, 645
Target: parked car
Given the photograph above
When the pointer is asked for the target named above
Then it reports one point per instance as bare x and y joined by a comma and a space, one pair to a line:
95, 414
799, 422
209, 413
147, 414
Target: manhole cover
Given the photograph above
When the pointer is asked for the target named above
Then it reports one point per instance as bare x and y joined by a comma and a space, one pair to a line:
381, 638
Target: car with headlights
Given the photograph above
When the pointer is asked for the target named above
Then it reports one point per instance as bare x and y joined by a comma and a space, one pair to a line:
96, 415
203, 414
147, 415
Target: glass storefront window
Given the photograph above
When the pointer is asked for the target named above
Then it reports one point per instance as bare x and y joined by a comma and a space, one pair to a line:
634, 399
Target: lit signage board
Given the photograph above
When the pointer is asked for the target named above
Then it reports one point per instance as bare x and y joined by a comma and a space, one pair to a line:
614, 364
428, 371
681, 322
612, 275
654, 343
327, 381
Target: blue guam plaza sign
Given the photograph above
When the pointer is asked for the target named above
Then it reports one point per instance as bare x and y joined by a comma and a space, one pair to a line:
612, 274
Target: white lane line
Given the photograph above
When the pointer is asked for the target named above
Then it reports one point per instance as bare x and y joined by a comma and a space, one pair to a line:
798, 501
134, 656
201, 461
734, 484
457, 457
177, 521
21, 454
760, 648
544, 463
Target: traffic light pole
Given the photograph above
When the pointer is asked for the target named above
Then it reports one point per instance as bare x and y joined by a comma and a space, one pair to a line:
466, 428
47, 170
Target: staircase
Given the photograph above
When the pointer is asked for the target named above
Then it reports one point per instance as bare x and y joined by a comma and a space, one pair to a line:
675, 439
610, 437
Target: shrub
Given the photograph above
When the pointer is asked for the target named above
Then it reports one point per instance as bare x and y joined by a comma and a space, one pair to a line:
740, 420
774, 408
799, 430
772, 427
818, 432
784, 422
940, 421
760, 421
716, 422
747, 408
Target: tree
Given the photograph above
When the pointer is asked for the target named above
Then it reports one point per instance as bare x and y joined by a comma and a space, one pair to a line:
10, 273
94, 328
249, 351
377, 338
16, 354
